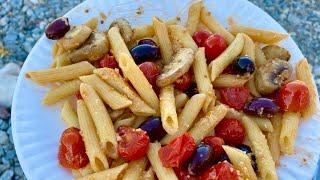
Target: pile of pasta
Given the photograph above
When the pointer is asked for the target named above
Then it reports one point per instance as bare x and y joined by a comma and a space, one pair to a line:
115, 97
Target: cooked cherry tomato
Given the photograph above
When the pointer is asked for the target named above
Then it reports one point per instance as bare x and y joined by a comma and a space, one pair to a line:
133, 143
294, 96
151, 71
216, 144
200, 37
108, 61
183, 174
221, 171
214, 46
177, 151
72, 152
78, 95
231, 131
235, 97
184, 82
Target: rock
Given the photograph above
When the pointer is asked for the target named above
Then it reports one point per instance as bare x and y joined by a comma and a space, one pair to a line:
3, 125
3, 138
7, 85
4, 113
7, 175
4, 167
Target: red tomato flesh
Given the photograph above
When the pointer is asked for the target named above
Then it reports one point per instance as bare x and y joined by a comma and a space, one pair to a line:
78, 95
221, 171
151, 71
108, 61
133, 143
216, 144
183, 174
72, 152
294, 96
200, 37
184, 82
231, 131
177, 151
214, 46
235, 97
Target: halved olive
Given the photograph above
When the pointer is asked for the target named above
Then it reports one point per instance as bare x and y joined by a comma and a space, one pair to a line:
57, 28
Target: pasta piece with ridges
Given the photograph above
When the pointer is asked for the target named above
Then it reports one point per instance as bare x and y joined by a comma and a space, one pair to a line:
109, 174
117, 43
274, 137
92, 23
148, 175
263, 123
109, 95
183, 37
230, 80
168, 110
194, 17
124, 122
138, 107
260, 58
101, 119
180, 100
82, 172
98, 160
69, 116
289, 129
135, 169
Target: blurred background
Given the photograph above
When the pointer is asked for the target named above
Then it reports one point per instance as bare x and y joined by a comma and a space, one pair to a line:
22, 22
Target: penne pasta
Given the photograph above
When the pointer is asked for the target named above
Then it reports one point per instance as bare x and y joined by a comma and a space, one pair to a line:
92, 23
61, 92
202, 26
252, 88
64, 73
180, 100
62, 60
101, 119
148, 175
114, 114
162, 173
69, 116
124, 122
161, 32
241, 162
182, 36
187, 116
138, 107
263, 123
217, 66
168, 110
290, 123
248, 48
266, 165
230, 80
194, 17
207, 124
260, 58
98, 160
82, 172
259, 35
117, 43
109, 174
135, 169
138, 80
274, 137
109, 95
117, 162
303, 73
215, 26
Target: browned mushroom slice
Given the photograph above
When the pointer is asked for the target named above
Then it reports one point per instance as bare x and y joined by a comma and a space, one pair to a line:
272, 76
274, 51
94, 48
179, 65
124, 28
75, 37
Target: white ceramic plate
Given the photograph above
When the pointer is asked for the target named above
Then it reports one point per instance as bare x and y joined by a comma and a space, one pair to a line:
37, 128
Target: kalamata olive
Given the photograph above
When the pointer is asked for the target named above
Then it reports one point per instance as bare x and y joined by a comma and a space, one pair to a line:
248, 151
261, 107
192, 90
201, 159
244, 65
147, 41
144, 52
57, 28
154, 129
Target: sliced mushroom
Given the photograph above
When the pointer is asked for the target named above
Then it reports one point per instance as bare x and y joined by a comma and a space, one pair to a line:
274, 51
179, 65
272, 76
124, 27
75, 37
94, 48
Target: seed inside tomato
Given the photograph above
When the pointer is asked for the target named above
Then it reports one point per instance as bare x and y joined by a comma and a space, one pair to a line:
214, 46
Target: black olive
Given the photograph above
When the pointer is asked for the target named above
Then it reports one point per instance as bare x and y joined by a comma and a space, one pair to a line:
244, 65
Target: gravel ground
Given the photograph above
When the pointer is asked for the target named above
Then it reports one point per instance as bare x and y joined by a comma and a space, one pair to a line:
22, 23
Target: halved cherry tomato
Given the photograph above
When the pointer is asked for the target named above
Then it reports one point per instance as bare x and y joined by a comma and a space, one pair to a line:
294, 96
221, 171
216, 144
235, 97
231, 131
183, 174
133, 143
151, 71
184, 82
214, 46
78, 95
200, 37
177, 151
108, 61
72, 152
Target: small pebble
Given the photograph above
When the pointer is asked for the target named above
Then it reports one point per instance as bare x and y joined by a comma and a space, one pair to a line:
7, 175
3, 138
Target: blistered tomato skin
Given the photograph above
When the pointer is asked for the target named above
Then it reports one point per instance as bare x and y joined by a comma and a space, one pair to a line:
225, 170
200, 37
294, 96
108, 61
216, 144
235, 97
231, 131
144, 52
184, 82
261, 107
133, 143
154, 129
177, 151
57, 28
151, 71
244, 65
147, 41
201, 159
72, 152
214, 46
